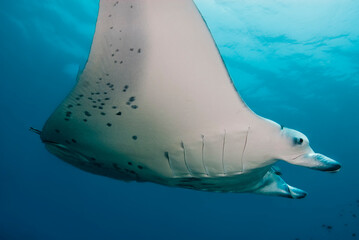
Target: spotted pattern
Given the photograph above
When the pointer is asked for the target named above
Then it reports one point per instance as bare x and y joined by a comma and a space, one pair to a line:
127, 170
103, 99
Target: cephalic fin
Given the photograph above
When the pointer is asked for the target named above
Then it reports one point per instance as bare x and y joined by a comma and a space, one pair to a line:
274, 185
317, 161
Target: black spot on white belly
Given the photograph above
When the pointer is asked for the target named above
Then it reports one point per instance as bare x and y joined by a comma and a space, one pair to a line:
116, 166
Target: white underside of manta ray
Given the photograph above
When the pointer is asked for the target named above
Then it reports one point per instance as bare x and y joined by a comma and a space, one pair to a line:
155, 103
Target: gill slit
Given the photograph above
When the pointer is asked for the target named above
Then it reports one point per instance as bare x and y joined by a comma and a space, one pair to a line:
167, 155
244, 148
224, 143
203, 163
185, 159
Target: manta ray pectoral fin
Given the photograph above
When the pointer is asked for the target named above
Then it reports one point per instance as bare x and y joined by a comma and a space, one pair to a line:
274, 185
317, 161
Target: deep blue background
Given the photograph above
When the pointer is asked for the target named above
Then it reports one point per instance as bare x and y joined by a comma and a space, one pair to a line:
296, 62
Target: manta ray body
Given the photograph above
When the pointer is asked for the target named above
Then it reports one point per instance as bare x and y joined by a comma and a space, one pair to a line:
155, 103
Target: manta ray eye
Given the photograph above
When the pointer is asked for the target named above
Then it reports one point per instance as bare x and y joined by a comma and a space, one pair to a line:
298, 141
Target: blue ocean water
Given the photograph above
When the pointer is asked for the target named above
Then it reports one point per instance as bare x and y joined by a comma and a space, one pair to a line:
296, 62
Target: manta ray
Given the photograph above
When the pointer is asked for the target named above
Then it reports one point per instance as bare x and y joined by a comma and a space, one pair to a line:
155, 103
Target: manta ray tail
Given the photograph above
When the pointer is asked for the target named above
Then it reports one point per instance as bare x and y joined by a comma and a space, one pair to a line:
274, 185
35, 130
